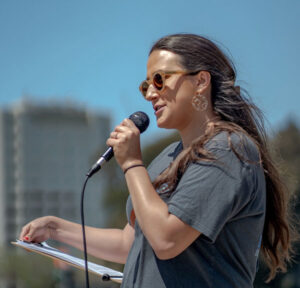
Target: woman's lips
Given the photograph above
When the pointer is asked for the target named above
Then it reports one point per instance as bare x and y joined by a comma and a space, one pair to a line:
159, 109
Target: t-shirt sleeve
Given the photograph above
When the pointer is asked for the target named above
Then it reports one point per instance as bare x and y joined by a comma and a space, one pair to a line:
209, 194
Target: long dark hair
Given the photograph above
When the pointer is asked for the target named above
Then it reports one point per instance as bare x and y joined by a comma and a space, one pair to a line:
237, 113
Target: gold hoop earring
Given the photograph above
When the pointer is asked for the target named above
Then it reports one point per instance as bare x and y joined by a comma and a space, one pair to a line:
199, 102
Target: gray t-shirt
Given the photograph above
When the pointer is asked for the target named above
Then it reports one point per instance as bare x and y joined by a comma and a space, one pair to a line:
225, 201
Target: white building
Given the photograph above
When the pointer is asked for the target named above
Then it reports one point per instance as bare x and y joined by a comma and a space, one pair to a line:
45, 152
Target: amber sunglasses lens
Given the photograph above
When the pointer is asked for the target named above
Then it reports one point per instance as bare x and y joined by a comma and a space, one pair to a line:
158, 81
144, 87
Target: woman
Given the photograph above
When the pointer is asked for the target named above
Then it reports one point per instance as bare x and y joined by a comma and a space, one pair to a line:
200, 214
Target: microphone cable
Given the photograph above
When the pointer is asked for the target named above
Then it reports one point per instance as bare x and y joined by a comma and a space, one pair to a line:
87, 284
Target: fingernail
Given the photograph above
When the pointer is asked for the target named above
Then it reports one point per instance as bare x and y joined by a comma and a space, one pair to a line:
26, 238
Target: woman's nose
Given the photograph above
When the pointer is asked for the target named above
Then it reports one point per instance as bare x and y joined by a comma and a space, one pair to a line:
151, 93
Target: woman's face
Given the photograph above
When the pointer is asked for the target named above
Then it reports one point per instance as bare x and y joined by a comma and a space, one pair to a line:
172, 105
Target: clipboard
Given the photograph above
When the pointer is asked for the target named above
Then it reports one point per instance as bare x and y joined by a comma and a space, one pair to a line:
46, 250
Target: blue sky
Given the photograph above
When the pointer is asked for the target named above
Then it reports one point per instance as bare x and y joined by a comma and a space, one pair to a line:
95, 52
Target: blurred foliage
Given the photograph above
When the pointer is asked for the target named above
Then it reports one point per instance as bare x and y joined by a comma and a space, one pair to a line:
115, 196
152, 150
21, 269
285, 151
33, 274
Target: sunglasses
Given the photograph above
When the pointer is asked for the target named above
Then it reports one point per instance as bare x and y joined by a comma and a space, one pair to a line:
159, 78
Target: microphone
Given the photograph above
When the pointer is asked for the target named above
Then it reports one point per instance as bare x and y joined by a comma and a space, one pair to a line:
141, 121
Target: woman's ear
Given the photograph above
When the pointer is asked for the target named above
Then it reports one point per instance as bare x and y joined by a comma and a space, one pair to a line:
203, 81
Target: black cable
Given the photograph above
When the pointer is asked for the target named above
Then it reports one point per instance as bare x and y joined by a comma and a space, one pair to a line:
83, 235
105, 277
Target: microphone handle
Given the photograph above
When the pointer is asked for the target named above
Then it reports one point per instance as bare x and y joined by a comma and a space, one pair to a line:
141, 121
108, 154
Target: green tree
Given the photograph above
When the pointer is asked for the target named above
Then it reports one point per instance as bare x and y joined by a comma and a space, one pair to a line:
16, 266
285, 150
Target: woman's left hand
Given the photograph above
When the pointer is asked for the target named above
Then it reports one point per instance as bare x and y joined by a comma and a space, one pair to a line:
125, 140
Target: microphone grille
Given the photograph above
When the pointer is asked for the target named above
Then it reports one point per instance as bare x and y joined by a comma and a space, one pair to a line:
141, 120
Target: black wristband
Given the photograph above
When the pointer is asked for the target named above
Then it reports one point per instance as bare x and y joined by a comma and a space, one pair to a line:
136, 165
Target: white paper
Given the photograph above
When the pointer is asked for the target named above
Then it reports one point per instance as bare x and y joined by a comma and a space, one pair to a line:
46, 249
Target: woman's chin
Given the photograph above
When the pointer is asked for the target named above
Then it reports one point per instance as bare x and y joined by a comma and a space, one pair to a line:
162, 124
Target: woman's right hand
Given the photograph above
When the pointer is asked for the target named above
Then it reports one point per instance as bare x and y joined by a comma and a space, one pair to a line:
39, 230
